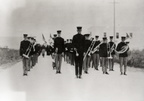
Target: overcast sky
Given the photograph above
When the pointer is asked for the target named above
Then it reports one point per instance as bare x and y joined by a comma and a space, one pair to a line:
47, 16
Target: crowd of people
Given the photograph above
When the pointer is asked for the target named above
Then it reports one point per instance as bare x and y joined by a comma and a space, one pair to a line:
82, 51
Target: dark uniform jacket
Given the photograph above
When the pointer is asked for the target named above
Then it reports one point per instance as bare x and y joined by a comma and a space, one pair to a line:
70, 47
87, 44
111, 44
95, 45
119, 47
59, 43
78, 42
24, 45
103, 50
66, 47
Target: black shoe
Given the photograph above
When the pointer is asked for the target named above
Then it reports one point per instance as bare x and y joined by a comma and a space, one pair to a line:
125, 74
59, 72
86, 72
96, 69
121, 73
80, 77
24, 74
107, 73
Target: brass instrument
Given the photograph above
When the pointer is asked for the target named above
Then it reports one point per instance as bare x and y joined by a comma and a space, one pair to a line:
26, 55
89, 49
123, 49
110, 51
96, 48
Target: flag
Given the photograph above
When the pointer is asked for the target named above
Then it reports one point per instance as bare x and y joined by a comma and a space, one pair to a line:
43, 38
117, 35
104, 34
131, 35
127, 35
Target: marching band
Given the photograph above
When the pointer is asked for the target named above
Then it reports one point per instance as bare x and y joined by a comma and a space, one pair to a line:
81, 51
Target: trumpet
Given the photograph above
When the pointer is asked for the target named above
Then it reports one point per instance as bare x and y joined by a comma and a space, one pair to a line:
26, 55
110, 51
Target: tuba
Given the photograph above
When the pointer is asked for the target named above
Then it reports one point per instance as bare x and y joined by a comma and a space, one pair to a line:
123, 49
26, 55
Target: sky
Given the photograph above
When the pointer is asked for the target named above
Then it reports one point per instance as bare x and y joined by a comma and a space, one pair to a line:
37, 17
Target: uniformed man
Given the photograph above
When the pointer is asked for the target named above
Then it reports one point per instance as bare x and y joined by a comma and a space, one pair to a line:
123, 55
59, 50
95, 54
78, 43
24, 48
72, 52
67, 51
53, 52
111, 49
104, 54
86, 61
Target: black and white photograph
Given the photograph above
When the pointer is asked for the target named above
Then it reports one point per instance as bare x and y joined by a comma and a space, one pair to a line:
71, 50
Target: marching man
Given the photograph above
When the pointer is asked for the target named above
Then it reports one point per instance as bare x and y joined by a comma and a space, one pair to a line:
122, 50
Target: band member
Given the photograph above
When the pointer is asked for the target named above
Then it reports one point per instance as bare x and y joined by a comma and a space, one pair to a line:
111, 48
95, 55
123, 55
103, 50
59, 50
67, 51
72, 52
78, 43
44, 46
53, 51
24, 45
86, 61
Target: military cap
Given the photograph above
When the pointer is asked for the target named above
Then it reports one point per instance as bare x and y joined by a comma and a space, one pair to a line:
29, 37
55, 35
58, 31
104, 38
97, 36
79, 27
111, 37
25, 35
86, 35
123, 37
127, 42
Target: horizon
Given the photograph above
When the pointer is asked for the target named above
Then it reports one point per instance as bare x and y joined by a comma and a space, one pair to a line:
35, 17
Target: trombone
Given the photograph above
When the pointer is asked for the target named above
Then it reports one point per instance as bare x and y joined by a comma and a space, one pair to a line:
89, 49
26, 54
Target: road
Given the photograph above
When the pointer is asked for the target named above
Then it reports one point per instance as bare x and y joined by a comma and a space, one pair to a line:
43, 84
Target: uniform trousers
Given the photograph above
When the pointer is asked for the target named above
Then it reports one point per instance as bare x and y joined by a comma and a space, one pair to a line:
104, 64
25, 64
111, 63
58, 61
86, 63
123, 61
95, 59
78, 64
